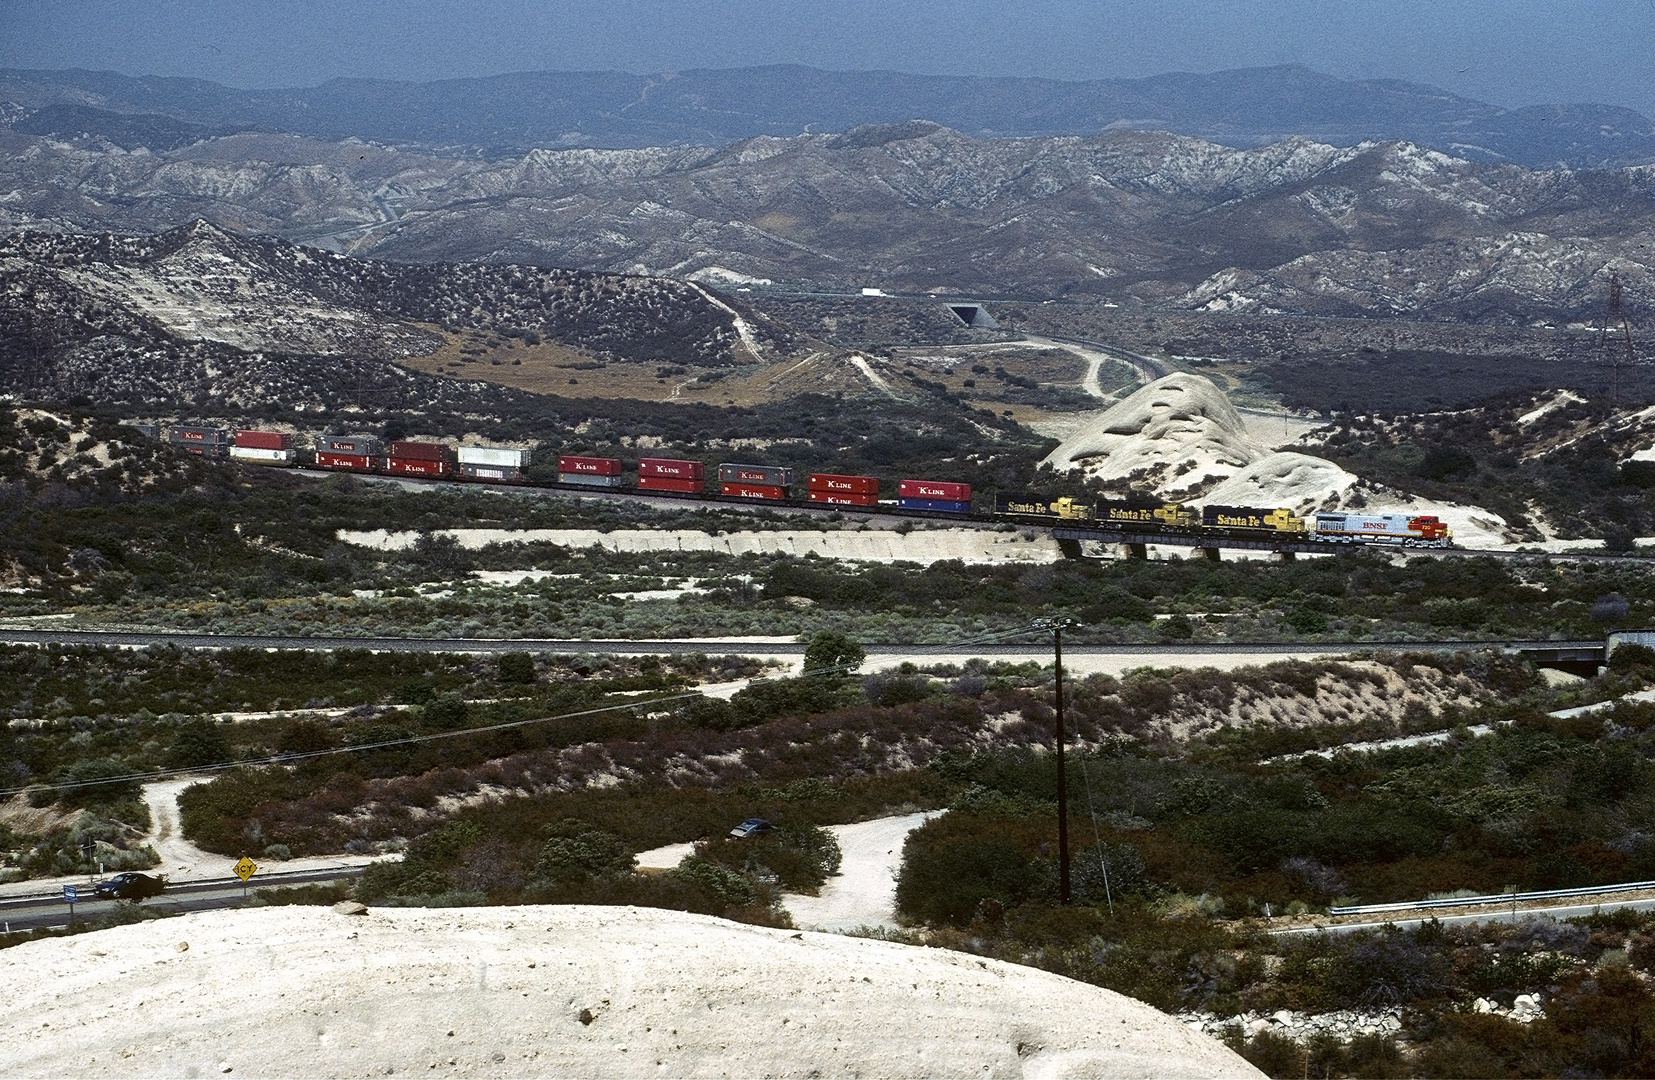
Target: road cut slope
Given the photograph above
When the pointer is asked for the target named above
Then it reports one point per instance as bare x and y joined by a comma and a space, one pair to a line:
557, 991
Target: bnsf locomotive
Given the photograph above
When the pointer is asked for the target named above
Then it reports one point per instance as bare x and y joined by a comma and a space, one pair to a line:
776, 484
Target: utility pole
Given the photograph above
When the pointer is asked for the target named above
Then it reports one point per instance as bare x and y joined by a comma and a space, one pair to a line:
1056, 626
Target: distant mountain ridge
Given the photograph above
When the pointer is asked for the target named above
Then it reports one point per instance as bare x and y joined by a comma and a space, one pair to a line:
507, 115
1140, 219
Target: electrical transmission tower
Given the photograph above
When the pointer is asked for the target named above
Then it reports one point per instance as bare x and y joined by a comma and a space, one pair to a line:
1618, 348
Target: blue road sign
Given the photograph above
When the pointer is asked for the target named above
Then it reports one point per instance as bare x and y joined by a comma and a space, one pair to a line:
69, 893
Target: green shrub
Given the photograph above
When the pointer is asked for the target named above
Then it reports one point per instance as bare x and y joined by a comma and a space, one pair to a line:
729, 888
304, 736
319, 894
771, 698
577, 849
215, 815
799, 857
515, 668
198, 742
952, 863
97, 782
445, 712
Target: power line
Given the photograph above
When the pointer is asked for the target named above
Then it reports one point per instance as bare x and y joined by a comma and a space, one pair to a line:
1615, 313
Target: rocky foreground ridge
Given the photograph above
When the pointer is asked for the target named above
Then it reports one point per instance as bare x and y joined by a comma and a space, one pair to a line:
558, 991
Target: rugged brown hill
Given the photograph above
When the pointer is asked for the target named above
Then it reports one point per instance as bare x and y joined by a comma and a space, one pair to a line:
198, 314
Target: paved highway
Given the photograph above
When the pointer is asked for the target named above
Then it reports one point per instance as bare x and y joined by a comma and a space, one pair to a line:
50, 909
1039, 647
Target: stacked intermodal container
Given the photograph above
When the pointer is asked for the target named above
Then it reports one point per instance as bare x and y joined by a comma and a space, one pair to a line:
493, 462
942, 496
843, 490
590, 471
356, 452
264, 447
205, 441
148, 431
754, 481
409, 457
670, 474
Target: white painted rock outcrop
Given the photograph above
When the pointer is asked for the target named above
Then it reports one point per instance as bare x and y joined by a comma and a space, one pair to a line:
557, 991
1176, 435
924, 546
1298, 482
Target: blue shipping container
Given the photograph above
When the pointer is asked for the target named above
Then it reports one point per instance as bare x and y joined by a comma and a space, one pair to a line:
946, 506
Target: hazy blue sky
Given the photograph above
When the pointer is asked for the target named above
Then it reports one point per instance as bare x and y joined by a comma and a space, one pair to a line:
1511, 52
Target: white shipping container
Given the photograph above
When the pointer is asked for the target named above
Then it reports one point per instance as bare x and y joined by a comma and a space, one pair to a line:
264, 457
490, 472
510, 457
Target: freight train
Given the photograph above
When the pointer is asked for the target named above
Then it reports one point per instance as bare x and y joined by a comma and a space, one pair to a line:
776, 484
1232, 522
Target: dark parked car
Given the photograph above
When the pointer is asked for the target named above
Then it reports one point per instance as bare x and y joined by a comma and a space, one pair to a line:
751, 827
129, 887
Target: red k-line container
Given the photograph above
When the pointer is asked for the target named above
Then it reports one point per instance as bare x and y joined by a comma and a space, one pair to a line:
408, 450
844, 485
413, 466
753, 491
674, 468
201, 435
359, 462
767, 475
839, 498
933, 489
667, 483
265, 440
590, 466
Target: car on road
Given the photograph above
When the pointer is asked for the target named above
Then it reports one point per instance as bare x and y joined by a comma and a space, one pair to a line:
129, 887
751, 827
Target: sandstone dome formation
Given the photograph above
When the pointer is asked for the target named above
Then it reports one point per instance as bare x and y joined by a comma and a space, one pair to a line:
1300, 482
557, 991
1174, 436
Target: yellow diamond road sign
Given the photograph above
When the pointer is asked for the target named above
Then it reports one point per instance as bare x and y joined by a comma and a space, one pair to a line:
245, 868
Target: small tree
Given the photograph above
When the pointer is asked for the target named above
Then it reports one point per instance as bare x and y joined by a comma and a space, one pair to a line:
831, 654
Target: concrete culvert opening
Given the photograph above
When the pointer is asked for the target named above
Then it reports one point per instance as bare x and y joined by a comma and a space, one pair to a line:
974, 315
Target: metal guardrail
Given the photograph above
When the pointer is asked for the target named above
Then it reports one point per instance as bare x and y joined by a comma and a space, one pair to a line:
1496, 898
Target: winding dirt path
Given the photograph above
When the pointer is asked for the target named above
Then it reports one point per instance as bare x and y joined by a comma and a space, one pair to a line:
863, 893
